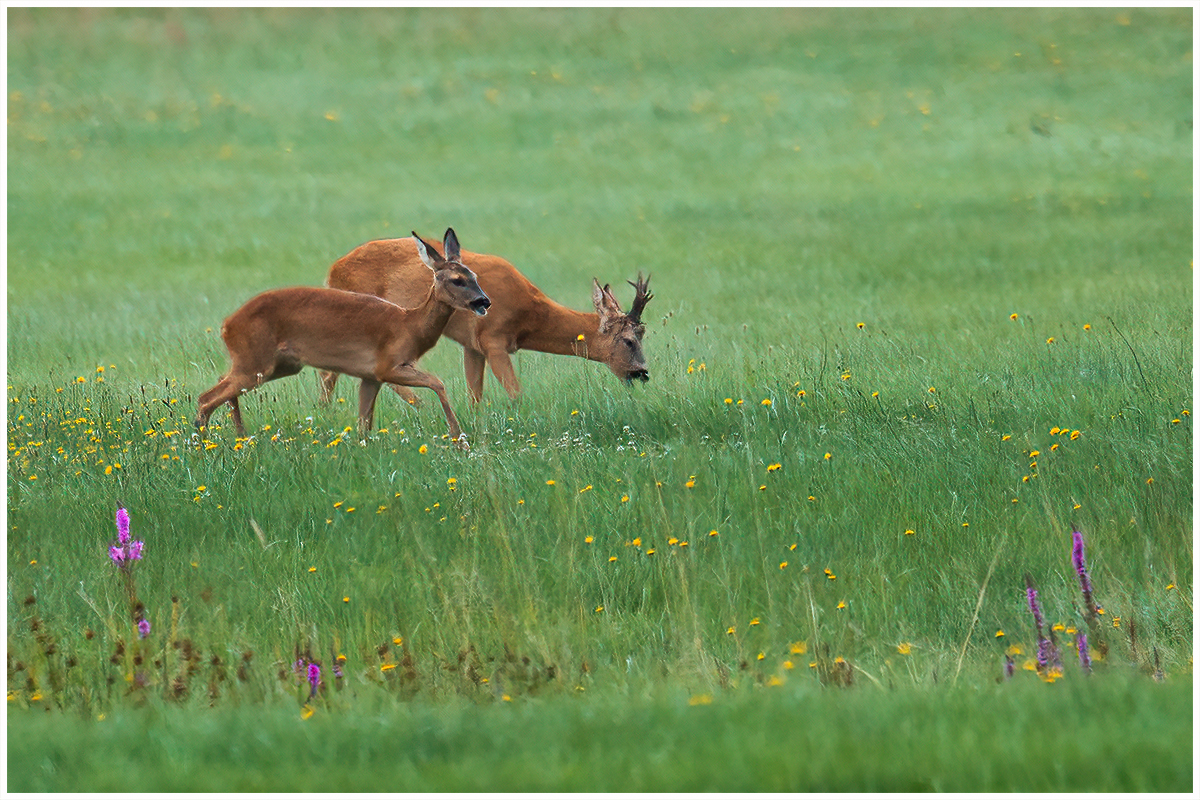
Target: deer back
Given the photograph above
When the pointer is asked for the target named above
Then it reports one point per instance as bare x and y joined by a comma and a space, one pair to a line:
392, 269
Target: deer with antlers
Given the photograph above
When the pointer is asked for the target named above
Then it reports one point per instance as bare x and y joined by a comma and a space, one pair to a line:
279, 332
522, 318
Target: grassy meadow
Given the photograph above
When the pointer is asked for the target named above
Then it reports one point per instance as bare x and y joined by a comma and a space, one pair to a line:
922, 306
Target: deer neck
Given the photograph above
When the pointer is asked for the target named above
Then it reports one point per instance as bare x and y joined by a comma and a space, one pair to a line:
561, 334
431, 318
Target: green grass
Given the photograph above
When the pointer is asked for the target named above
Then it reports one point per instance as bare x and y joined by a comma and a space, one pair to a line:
784, 175
1020, 738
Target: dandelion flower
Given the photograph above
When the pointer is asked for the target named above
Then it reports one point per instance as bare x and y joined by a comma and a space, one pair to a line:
1087, 326
766, 401
728, 401
1012, 316
861, 325
423, 449
904, 648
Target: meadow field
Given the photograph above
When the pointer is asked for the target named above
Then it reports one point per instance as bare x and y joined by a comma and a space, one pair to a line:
906, 503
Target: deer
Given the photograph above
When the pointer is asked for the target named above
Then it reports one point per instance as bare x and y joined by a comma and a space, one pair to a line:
523, 318
279, 332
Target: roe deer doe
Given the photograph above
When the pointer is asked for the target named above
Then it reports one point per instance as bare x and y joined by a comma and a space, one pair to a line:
279, 332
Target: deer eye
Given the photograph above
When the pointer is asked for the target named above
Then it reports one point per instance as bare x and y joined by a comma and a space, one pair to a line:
458, 281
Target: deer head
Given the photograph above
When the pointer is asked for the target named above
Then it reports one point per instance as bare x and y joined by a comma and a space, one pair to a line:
453, 283
620, 333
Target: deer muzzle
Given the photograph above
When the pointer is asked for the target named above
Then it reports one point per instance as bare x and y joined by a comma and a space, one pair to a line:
637, 375
481, 306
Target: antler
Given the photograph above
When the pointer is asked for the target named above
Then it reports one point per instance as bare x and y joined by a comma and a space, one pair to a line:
641, 296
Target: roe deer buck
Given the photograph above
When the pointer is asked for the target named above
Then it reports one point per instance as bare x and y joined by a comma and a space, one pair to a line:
522, 318
279, 332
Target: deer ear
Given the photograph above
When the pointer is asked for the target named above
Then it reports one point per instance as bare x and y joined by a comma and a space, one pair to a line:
450, 245
428, 254
606, 305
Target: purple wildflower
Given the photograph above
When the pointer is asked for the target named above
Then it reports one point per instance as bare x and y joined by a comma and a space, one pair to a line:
1034, 607
1009, 667
1085, 659
143, 628
122, 525
314, 678
1085, 580
1045, 648
124, 551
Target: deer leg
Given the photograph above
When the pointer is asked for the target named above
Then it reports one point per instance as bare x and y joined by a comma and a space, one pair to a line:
227, 390
235, 411
473, 364
408, 375
502, 368
328, 382
406, 395
367, 391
